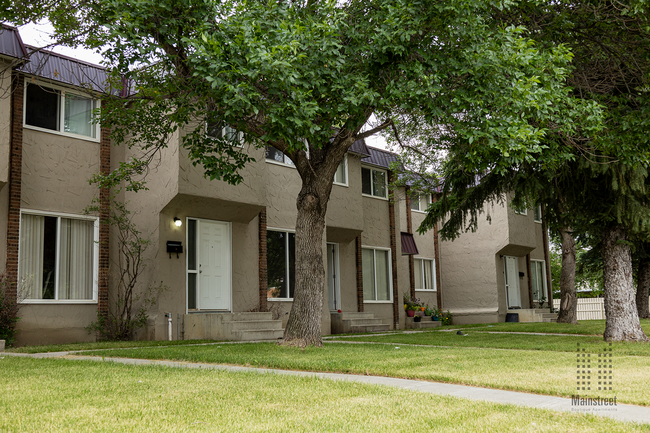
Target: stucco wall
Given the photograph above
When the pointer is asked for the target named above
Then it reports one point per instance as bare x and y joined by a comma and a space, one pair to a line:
469, 271
56, 170
55, 324
345, 207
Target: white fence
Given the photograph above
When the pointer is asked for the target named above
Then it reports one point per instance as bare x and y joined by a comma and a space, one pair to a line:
588, 308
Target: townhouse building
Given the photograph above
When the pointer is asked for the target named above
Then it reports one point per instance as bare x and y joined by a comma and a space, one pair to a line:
224, 253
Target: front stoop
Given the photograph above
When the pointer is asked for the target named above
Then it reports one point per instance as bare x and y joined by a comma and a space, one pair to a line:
346, 323
232, 326
535, 315
425, 323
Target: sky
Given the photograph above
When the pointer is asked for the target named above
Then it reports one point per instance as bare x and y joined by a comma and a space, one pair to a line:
38, 34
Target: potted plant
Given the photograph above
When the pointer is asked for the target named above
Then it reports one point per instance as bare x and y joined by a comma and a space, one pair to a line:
435, 314
411, 305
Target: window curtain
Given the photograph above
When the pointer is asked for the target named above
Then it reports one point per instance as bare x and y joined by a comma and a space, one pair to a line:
76, 259
383, 286
418, 274
30, 257
427, 266
368, 265
78, 116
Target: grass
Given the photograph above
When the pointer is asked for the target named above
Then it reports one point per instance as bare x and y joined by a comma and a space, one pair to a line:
478, 337
60, 395
538, 371
584, 327
102, 345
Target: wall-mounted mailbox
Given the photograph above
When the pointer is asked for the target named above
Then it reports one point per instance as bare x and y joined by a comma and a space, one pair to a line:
521, 274
174, 247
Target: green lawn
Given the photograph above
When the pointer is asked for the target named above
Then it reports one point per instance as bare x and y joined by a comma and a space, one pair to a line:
585, 327
478, 337
102, 345
538, 371
61, 396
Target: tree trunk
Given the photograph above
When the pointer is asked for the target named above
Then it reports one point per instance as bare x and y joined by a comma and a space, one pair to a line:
642, 289
568, 299
620, 309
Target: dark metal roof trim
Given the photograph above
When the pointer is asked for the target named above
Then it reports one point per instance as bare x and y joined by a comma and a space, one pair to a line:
11, 44
408, 244
380, 158
359, 147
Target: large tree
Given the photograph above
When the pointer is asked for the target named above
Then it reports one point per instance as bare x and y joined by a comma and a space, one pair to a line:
305, 77
604, 174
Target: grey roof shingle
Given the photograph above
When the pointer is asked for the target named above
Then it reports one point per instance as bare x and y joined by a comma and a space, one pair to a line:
380, 158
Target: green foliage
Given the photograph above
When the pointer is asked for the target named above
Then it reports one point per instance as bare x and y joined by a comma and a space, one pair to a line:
8, 313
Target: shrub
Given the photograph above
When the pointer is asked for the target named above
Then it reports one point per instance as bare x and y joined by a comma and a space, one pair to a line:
8, 313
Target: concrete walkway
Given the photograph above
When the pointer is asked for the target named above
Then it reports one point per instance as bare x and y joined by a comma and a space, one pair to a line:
620, 412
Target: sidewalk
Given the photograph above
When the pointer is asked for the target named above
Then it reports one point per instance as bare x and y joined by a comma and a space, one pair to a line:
620, 412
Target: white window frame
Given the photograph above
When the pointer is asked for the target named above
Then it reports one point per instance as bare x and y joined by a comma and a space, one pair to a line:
433, 274
390, 274
523, 212
287, 271
544, 288
283, 163
539, 211
419, 209
58, 215
63, 90
372, 184
345, 170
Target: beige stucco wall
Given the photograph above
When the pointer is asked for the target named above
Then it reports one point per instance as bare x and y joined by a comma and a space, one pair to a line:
54, 324
56, 170
345, 207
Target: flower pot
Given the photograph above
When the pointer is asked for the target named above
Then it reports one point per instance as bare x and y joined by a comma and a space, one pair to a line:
435, 318
417, 318
410, 313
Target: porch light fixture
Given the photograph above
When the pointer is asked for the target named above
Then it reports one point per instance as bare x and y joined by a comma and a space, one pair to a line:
177, 222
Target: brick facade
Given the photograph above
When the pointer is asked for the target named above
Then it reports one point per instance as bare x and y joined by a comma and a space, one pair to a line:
104, 227
15, 179
263, 282
397, 301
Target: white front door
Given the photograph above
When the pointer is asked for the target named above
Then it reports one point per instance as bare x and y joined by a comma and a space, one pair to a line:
333, 276
214, 265
513, 297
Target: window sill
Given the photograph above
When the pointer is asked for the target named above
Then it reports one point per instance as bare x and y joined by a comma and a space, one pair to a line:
426, 290
62, 134
377, 302
374, 196
281, 164
538, 222
340, 184
57, 302
419, 211
280, 299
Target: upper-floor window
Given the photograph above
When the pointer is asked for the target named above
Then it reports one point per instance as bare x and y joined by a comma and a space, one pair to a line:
521, 211
57, 258
275, 155
374, 182
537, 213
53, 108
420, 202
218, 131
341, 175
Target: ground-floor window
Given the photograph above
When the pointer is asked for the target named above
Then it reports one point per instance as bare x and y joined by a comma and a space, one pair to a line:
538, 278
280, 264
424, 274
376, 274
58, 257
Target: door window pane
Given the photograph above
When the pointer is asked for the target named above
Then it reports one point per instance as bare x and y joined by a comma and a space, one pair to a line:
191, 291
191, 245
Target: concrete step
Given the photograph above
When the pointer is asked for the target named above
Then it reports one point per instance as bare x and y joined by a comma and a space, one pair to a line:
359, 322
542, 310
240, 317
549, 320
549, 316
427, 324
355, 315
251, 325
259, 334
369, 328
